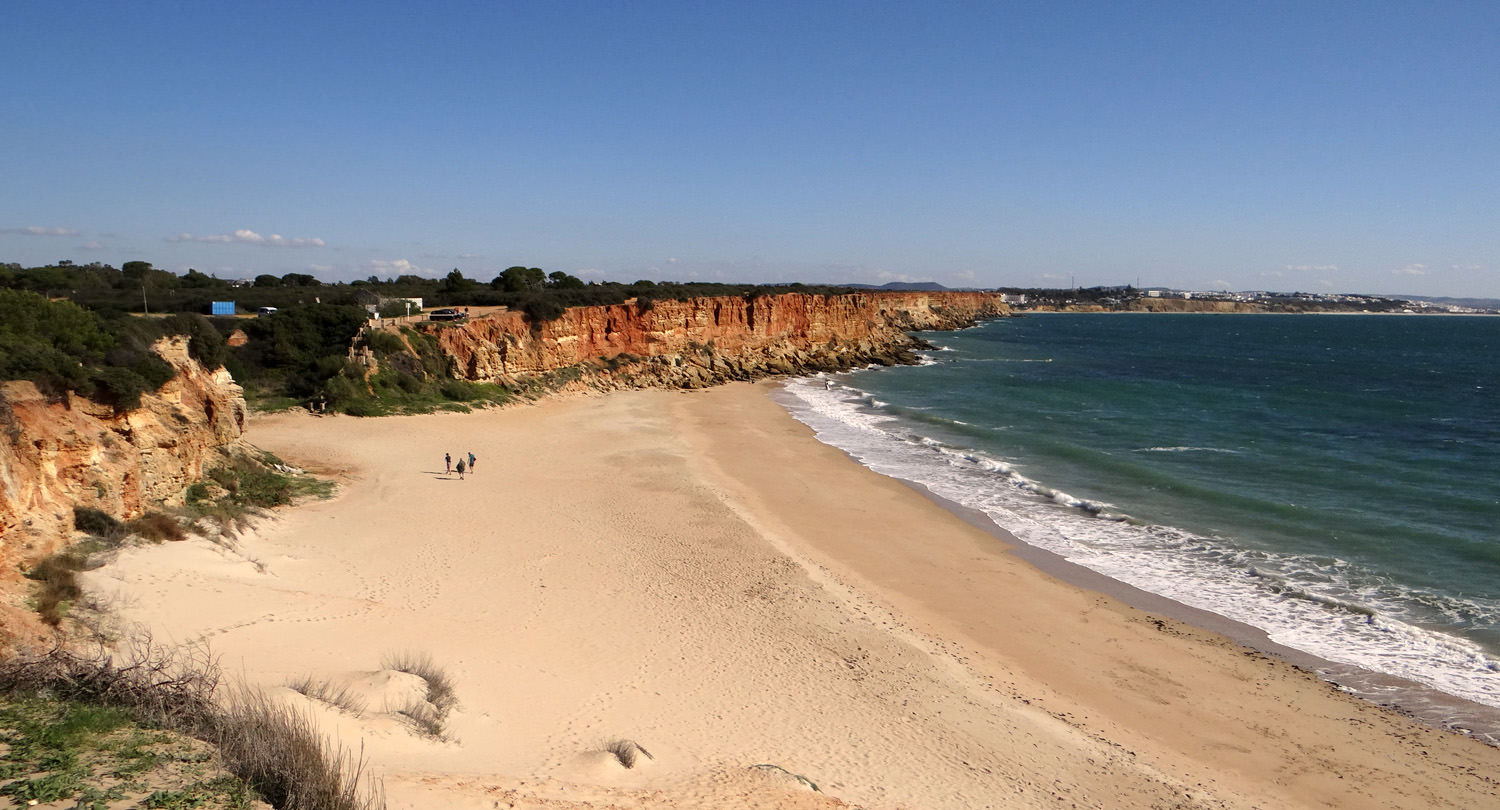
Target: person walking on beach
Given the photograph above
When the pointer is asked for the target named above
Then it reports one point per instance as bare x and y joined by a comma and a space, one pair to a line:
461, 469
447, 463
471, 461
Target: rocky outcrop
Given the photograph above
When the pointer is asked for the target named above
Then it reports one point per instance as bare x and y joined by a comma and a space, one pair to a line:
703, 341
55, 455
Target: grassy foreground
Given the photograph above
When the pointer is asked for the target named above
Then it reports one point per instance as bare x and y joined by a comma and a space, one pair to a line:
150, 726
74, 754
141, 725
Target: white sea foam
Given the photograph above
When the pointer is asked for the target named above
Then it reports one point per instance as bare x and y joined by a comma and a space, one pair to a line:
1323, 606
1008, 360
1187, 450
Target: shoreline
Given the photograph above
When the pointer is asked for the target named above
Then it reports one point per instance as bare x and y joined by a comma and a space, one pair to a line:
696, 572
1376, 642
1432, 707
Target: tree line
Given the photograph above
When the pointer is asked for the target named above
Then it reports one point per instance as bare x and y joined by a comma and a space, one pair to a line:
72, 328
138, 286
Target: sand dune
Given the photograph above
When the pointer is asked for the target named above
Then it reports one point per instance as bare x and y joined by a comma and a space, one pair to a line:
695, 574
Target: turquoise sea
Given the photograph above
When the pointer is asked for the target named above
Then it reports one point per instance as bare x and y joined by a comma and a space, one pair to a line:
1331, 480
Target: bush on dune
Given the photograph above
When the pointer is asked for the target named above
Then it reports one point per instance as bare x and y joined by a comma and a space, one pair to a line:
277, 751
441, 695
158, 527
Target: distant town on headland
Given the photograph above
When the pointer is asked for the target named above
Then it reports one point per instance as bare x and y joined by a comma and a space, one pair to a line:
1122, 298
139, 286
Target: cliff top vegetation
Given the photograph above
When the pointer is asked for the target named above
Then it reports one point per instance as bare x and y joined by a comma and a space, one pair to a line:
63, 347
138, 286
67, 327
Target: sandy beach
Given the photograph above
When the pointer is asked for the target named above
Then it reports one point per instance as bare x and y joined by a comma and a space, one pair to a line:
696, 573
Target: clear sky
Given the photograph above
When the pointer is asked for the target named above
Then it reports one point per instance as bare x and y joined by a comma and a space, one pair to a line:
1319, 146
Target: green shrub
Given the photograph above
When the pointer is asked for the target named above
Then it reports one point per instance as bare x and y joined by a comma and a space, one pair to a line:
249, 484
397, 308
296, 352
120, 388
383, 342
460, 390
344, 388
258, 486
542, 309
96, 523
205, 344
50, 342
363, 407
63, 347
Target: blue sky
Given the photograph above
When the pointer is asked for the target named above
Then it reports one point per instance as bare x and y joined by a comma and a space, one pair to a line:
1321, 146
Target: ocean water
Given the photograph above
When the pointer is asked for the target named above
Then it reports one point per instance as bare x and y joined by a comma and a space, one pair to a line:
1331, 480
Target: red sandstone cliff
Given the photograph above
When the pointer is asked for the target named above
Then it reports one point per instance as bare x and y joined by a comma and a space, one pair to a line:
701, 341
57, 455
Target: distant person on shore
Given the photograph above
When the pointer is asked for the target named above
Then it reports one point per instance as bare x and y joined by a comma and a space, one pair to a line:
461, 469
447, 464
471, 461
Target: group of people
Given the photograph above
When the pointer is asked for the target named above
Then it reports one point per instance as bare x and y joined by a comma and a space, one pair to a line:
462, 467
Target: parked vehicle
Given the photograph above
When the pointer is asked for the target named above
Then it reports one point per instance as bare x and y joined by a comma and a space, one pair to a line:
264, 311
445, 315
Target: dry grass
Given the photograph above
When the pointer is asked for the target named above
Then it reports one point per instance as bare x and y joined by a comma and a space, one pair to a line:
274, 749
158, 527
288, 761
800, 779
441, 692
168, 687
426, 719
339, 697
628, 752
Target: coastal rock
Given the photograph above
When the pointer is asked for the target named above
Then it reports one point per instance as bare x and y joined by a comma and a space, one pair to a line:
704, 341
57, 454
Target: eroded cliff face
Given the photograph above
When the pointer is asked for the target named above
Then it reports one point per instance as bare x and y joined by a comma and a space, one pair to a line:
703, 341
57, 455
